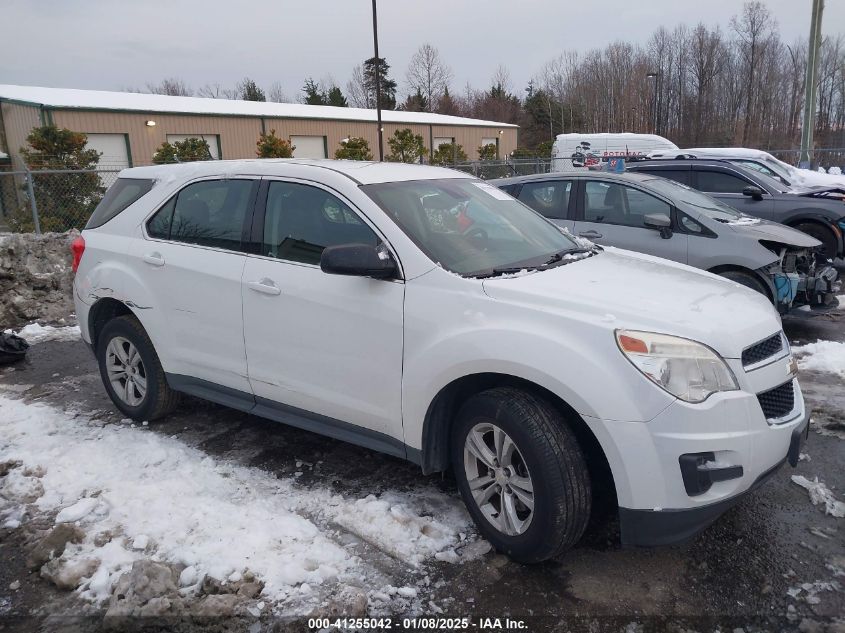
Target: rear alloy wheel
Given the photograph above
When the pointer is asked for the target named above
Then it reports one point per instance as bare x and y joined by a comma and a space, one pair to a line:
826, 236
521, 473
131, 371
126, 371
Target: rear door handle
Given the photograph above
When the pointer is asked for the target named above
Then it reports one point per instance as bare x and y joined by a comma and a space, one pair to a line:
264, 286
590, 235
154, 259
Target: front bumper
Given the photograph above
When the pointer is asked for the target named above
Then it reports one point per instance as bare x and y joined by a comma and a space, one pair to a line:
649, 528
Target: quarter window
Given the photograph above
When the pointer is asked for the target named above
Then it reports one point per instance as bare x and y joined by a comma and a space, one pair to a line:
208, 213
720, 182
301, 221
549, 198
612, 203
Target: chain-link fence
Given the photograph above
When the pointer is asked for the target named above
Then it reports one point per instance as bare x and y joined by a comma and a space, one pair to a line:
490, 169
824, 158
50, 200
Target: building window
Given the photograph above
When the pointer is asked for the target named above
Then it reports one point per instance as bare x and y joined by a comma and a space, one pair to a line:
309, 146
213, 141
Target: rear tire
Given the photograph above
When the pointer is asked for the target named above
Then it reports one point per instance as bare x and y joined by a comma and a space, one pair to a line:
830, 243
533, 489
748, 280
131, 371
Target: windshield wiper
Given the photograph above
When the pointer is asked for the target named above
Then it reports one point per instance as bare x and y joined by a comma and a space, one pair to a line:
510, 270
557, 257
554, 259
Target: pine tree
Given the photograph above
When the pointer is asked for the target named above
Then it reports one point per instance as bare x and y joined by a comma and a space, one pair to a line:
65, 201
335, 97
354, 148
248, 90
313, 94
191, 149
271, 146
487, 152
448, 154
405, 147
388, 86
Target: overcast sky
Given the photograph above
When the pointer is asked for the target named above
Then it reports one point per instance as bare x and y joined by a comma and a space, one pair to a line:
109, 45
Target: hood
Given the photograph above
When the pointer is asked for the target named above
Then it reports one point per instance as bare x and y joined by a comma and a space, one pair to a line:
774, 232
815, 190
809, 178
623, 289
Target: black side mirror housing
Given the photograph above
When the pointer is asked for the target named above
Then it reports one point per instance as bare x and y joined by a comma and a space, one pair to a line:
358, 260
754, 193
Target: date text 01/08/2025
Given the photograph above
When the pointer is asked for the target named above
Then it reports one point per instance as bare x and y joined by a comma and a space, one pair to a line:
418, 624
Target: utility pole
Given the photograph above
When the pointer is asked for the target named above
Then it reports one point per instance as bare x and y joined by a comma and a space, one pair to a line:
809, 122
378, 84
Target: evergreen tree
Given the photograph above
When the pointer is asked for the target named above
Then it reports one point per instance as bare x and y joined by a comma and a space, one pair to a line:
313, 94
334, 97
388, 86
487, 152
65, 201
354, 148
271, 146
415, 103
191, 149
248, 90
405, 147
447, 104
448, 154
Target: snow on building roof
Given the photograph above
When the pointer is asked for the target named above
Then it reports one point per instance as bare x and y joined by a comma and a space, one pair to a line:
136, 102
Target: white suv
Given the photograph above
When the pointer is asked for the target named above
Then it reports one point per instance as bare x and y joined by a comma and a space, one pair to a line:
428, 315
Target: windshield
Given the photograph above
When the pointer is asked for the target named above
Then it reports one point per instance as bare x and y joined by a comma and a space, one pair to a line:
771, 170
472, 228
701, 202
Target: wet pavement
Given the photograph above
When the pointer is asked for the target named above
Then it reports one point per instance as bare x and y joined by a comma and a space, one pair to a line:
737, 574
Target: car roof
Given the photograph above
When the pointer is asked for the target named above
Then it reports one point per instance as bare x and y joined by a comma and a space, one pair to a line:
595, 175
362, 172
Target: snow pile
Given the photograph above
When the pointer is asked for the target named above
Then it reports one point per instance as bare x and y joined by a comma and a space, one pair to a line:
835, 171
819, 493
826, 356
35, 333
137, 495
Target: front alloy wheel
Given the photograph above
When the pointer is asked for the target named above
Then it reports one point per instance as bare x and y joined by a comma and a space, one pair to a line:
499, 479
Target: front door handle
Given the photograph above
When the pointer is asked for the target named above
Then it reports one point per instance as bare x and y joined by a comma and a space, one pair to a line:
590, 235
154, 259
264, 286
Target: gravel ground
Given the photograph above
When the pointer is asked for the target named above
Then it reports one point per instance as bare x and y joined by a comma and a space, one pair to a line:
746, 571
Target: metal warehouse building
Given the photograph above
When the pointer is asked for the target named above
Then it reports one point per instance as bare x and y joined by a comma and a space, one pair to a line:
128, 127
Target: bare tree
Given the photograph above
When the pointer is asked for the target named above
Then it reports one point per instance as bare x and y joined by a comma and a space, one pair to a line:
277, 94
428, 75
171, 86
217, 91
356, 89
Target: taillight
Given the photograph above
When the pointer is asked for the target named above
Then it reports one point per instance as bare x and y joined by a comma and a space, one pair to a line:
77, 247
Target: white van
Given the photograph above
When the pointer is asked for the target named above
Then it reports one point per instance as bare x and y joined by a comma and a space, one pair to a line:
583, 150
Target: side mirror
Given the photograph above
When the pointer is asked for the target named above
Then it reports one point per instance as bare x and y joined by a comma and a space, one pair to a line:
358, 260
755, 193
660, 222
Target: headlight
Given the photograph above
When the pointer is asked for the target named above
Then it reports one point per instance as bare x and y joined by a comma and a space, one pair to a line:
686, 369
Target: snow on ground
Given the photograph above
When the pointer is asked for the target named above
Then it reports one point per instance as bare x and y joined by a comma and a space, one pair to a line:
819, 493
35, 333
826, 356
137, 494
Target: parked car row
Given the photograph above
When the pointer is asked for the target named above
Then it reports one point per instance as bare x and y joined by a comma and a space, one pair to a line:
424, 313
653, 215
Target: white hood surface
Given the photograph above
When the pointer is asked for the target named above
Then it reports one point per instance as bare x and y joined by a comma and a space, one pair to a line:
637, 291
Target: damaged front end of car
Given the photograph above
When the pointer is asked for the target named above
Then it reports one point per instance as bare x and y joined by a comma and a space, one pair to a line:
801, 279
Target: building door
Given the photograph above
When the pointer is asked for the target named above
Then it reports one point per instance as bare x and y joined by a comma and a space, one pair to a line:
309, 146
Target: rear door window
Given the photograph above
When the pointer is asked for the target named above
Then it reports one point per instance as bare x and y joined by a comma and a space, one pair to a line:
120, 195
207, 213
720, 182
549, 198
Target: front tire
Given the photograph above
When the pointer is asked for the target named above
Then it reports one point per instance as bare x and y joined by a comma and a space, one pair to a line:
521, 474
131, 371
748, 280
830, 243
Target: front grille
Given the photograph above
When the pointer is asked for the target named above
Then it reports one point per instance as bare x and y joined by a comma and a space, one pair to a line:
777, 402
762, 350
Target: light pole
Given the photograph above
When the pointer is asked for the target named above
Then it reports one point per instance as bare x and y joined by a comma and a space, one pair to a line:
809, 121
378, 84
654, 75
